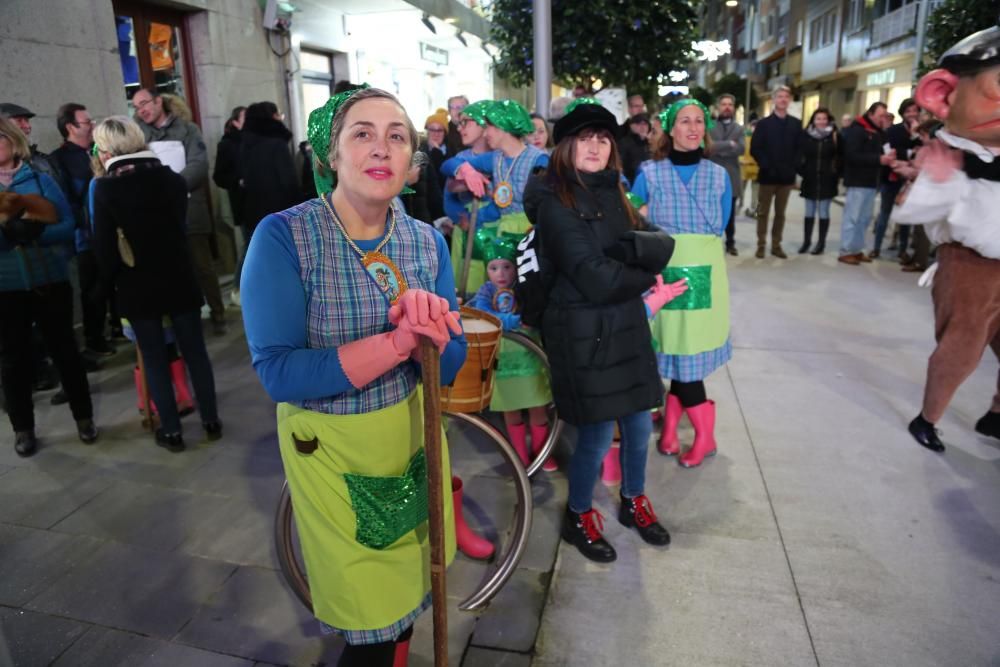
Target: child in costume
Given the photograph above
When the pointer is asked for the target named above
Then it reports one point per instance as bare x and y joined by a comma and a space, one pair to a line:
336, 294
689, 197
457, 198
520, 379
955, 197
516, 366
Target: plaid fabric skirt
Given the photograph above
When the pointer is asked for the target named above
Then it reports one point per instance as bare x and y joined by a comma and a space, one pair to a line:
694, 367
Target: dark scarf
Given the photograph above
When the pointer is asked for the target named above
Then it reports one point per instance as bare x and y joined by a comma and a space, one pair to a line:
976, 168
681, 158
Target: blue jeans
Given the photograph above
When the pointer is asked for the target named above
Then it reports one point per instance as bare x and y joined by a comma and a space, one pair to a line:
593, 442
149, 336
859, 205
889, 192
821, 206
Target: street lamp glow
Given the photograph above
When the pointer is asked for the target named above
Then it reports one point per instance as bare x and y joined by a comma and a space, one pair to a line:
711, 51
678, 75
731, 3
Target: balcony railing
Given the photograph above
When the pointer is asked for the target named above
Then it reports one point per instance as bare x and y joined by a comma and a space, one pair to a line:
895, 24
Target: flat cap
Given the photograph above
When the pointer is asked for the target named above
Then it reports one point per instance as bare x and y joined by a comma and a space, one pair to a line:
12, 110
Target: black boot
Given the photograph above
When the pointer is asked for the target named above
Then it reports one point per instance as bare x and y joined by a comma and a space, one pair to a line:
924, 432
87, 431
25, 443
173, 442
584, 532
824, 227
213, 430
989, 424
638, 513
807, 236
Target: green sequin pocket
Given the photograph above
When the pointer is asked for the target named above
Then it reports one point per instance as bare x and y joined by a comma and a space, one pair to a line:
386, 508
699, 292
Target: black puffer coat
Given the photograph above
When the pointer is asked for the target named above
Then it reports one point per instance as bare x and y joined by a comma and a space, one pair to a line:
819, 166
594, 328
270, 180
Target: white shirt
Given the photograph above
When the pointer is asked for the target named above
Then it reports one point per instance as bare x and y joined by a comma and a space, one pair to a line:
961, 209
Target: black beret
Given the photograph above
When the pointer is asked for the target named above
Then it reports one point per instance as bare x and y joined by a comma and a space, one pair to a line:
978, 51
582, 117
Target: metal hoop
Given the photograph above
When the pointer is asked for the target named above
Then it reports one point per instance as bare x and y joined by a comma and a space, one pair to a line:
506, 565
557, 424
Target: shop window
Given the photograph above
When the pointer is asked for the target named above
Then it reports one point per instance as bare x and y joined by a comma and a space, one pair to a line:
810, 102
317, 80
153, 50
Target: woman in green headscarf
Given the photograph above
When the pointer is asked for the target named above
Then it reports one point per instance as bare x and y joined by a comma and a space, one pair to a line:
690, 198
336, 294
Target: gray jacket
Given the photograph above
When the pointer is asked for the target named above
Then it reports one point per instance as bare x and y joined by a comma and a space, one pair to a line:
725, 154
195, 172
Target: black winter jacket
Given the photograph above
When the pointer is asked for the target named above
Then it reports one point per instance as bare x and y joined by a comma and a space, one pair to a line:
148, 202
862, 150
227, 172
594, 328
819, 166
270, 180
776, 148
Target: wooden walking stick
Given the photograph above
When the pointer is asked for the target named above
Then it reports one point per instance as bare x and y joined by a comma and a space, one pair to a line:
470, 237
430, 362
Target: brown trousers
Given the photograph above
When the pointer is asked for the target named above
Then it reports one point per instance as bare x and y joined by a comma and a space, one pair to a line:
779, 193
966, 320
201, 255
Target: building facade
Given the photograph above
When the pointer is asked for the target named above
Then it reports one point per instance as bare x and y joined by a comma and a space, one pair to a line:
839, 54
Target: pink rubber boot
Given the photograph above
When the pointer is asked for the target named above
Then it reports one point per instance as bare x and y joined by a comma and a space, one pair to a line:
468, 542
182, 392
669, 444
519, 438
611, 467
539, 434
402, 657
703, 418
140, 397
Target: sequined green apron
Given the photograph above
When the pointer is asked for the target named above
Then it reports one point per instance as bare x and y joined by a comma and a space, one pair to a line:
356, 501
698, 320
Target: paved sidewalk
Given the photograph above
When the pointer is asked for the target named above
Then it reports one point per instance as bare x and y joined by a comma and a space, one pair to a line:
821, 534
124, 554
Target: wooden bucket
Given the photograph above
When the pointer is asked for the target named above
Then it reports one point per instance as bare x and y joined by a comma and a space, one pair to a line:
473, 386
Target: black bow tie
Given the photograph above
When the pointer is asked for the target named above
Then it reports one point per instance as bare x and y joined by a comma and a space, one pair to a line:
976, 168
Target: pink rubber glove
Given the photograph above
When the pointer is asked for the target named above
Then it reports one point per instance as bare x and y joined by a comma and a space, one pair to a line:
418, 307
437, 331
370, 358
475, 181
662, 294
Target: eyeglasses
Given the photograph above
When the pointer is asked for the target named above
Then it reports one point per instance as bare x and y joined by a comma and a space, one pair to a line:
143, 104
441, 131
465, 121
456, 107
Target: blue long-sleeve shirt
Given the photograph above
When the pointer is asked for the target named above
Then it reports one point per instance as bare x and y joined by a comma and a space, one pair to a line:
275, 319
686, 173
46, 264
456, 204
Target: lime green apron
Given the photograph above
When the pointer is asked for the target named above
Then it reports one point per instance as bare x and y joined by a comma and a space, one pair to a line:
698, 320
359, 511
520, 381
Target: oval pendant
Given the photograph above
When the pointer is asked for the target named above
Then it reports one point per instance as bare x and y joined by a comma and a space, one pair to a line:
503, 194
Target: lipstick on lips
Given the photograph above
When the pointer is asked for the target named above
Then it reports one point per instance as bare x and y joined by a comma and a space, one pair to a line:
379, 173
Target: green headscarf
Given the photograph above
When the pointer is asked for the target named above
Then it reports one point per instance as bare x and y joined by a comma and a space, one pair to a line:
477, 111
318, 132
669, 117
487, 246
581, 100
510, 117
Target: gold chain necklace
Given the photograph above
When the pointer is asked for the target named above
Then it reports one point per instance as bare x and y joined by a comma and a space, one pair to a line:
386, 275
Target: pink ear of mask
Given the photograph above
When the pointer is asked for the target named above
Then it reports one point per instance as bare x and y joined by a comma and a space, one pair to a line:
933, 91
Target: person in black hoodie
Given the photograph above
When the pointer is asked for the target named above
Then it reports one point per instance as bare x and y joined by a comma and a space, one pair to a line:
863, 162
818, 169
267, 170
775, 146
603, 259
138, 211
